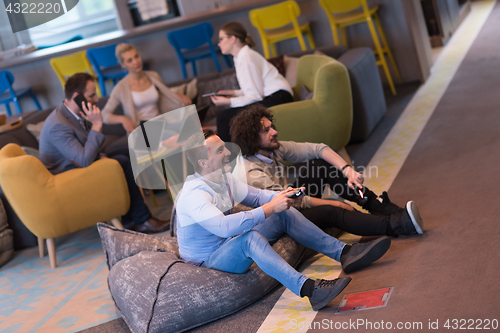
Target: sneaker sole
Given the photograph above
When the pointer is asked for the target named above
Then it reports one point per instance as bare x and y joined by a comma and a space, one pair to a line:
371, 254
341, 286
418, 223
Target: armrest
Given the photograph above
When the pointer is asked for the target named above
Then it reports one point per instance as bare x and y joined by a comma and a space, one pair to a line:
296, 121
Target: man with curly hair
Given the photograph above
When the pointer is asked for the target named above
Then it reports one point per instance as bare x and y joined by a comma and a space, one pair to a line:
265, 156
211, 235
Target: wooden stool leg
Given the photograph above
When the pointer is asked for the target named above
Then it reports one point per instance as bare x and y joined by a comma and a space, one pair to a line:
51, 246
41, 247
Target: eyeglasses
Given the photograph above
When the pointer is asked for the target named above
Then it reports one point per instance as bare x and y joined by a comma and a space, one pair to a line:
221, 38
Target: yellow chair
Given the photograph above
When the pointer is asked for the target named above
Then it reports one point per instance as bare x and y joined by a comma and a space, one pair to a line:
327, 117
71, 64
343, 13
271, 22
55, 205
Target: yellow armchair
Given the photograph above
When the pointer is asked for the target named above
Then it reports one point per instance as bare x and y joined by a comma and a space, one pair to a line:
327, 117
55, 205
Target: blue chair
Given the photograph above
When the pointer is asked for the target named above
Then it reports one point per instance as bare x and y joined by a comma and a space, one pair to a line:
8, 94
195, 43
106, 65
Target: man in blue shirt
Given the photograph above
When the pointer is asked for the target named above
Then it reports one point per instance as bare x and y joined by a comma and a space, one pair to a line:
211, 235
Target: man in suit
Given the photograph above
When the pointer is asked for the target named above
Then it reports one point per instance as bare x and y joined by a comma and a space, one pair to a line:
71, 138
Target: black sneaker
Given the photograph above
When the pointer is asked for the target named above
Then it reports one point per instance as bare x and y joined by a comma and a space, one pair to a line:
407, 222
416, 220
362, 255
381, 205
326, 290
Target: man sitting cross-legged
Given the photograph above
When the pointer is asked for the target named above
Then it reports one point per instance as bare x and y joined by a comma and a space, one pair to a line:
72, 137
211, 235
253, 132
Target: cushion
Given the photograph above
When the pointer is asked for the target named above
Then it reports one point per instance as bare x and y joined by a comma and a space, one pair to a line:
35, 129
190, 89
155, 291
318, 52
291, 65
279, 63
11, 125
122, 243
305, 94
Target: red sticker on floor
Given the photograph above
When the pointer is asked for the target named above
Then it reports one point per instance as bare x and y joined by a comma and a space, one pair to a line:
365, 300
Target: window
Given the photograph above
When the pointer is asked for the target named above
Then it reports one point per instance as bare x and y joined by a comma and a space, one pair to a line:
78, 21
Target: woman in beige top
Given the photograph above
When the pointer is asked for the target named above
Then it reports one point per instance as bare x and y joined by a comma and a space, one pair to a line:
142, 94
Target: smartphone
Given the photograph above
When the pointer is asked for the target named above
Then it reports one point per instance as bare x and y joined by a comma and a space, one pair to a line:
79, 100
298, 194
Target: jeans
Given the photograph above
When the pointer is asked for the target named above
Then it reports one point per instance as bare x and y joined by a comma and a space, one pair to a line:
238, 254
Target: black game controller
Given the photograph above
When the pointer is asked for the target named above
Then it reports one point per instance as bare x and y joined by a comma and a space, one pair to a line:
298, 194
359, 191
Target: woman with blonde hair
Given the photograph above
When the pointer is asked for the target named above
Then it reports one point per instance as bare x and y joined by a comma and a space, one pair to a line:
142, 94
259, 81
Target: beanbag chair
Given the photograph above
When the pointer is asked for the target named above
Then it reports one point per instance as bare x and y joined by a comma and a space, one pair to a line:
156, 291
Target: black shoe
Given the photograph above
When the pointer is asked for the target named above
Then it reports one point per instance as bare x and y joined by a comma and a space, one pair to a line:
408, 221
362, 255
152, 226
326, 290
381, 205
416, 220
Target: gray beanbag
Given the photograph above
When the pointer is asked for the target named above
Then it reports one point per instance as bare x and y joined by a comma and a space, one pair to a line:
155, 291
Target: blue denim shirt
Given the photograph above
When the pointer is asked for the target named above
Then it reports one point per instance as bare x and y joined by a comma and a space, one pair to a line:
204, 214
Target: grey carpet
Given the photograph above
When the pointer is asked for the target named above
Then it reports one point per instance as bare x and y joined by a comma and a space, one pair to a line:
361, 153
451, 272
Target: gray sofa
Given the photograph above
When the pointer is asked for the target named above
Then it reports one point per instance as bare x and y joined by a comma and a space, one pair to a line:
368, 100
369, 105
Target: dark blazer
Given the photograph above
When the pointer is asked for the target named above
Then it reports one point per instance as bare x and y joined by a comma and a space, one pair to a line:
64, 140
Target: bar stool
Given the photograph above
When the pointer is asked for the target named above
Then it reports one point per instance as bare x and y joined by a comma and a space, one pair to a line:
8, 94
74, 63
342, 13
195, 43
271, 21
106, 65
